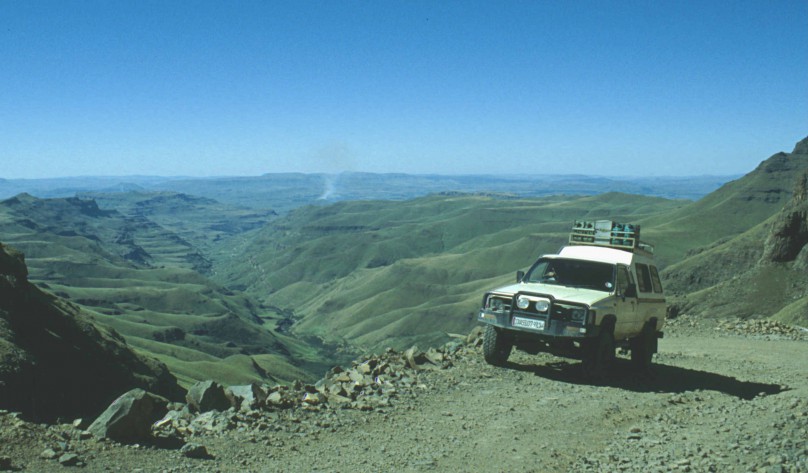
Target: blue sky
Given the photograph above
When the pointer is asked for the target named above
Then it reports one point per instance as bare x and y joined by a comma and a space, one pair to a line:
208, 88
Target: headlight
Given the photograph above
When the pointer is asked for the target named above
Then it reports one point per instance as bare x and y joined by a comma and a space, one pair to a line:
542, 306
495, 304
578, 315
523, 302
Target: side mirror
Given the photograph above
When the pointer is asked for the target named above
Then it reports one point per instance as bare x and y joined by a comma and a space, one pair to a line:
519, 276
630, 291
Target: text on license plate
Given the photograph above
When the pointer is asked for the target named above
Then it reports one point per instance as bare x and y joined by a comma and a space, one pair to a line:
528, 323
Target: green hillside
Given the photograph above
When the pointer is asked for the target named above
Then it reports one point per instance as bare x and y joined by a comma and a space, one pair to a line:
379, 273
54, 363
385, 273
762, 271
239, 294
146, 282
735, 207
208, 225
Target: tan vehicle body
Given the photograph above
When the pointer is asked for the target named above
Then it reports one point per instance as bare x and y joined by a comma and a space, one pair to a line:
585, 301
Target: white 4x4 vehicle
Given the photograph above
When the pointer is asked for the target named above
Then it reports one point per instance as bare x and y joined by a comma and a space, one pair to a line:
600, 292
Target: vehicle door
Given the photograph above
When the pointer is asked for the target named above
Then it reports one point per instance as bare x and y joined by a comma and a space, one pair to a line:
649, 300
625, 302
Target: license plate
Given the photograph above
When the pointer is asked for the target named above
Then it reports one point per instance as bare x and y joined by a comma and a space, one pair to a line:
528, 323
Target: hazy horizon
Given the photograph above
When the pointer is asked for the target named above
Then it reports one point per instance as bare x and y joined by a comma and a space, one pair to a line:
338, 173
596, 88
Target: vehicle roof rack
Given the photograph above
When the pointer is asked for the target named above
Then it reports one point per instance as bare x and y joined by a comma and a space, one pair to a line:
610, 234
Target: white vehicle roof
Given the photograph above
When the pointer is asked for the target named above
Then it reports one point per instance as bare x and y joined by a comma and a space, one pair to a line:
596, 253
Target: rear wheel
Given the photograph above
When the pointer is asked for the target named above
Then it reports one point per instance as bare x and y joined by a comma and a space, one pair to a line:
497, 346
598, 356
643, 347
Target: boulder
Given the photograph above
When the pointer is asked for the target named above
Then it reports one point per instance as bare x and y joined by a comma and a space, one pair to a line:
313, 399
212, 421
475, 337
246, 396
193, 450
207, 396
414, 357
169, 432
69, 459
130, 417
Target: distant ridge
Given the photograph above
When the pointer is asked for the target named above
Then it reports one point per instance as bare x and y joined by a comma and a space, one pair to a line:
285, 191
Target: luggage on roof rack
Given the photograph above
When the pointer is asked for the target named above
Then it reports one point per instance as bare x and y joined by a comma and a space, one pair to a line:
624, 236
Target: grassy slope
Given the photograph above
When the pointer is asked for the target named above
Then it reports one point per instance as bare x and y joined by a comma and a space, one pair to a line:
394, 273
375, 273
732, 209
390, 273
208, 225
728, 277
135, 276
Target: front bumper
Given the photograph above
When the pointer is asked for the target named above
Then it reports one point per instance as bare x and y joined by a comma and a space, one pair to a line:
552, 328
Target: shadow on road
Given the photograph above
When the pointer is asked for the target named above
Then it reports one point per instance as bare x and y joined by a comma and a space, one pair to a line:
662, 379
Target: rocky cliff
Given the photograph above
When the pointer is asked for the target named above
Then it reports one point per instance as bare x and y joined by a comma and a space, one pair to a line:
789, 232
54, 362
771, 200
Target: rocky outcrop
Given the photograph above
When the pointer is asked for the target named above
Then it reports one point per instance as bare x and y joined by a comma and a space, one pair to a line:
54, 362
801, 147
789, 233
207, 396
371, 383
130, 417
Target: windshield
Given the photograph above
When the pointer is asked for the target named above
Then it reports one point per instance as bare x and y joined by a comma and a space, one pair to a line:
572, 273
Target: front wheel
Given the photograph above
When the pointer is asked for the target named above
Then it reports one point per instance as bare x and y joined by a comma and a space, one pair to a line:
497, 346
598, 356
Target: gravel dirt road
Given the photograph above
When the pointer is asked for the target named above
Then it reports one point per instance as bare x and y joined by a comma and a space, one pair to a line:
719, 400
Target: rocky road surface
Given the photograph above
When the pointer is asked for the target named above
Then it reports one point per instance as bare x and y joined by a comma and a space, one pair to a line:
724, 397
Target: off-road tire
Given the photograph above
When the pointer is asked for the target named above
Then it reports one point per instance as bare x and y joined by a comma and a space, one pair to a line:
497, 346
598, 356
643, 347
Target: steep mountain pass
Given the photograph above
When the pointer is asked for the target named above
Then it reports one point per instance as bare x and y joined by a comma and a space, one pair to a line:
54, 362
159, 301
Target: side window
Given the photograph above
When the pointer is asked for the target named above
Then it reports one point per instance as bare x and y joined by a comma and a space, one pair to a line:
643, 278
623, 279
655, 279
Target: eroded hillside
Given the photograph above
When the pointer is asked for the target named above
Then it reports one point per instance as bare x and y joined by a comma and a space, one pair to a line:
55, 362
151, 285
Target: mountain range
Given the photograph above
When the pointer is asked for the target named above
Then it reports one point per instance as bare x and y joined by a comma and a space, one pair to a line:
279, 277
285, 191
